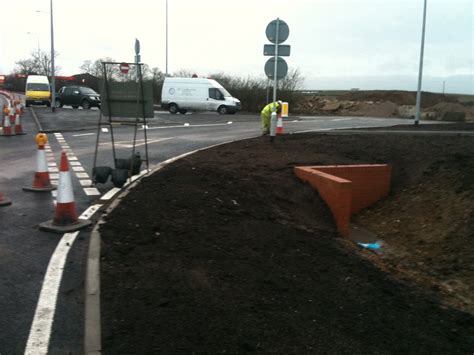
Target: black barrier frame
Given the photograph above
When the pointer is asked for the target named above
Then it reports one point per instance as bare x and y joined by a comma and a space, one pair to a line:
110, 123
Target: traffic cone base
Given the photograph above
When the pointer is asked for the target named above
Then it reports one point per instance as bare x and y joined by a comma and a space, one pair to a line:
41, 181
279, 128
65, 216
50, 226
7, 127
18, 126
4, 201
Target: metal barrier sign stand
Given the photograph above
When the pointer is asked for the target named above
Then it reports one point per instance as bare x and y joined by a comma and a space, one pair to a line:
121, 101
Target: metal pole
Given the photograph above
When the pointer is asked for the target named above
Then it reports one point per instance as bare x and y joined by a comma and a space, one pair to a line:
53, 78
166, 69
444, 86
273, 117
420, 72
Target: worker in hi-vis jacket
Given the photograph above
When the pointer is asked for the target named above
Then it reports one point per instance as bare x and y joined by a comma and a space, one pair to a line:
266, 114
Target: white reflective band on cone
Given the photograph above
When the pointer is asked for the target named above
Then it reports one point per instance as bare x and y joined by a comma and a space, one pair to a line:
65, 193
41, 165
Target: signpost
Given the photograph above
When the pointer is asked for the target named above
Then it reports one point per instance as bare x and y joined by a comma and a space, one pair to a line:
276, 68
124, 67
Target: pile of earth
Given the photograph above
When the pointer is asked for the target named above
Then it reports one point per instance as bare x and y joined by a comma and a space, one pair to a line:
226, 251
387, 104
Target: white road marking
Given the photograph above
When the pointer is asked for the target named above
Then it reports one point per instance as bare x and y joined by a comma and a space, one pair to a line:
341, 119
83, 134
197, 125
74, 163
53, 170
40, 331
78, 168
82, 175
138, 143
87, 214
111, 193
87, 183
91, 191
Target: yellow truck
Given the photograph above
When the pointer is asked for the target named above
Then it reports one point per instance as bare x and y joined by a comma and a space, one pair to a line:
38, 90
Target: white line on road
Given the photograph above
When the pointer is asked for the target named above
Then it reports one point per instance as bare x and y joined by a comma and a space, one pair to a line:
189, 125
83, 134
341, 119
40, 331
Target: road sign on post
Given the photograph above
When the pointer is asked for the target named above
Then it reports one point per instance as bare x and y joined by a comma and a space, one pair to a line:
282, 68
277, 32
283, 50
124, 67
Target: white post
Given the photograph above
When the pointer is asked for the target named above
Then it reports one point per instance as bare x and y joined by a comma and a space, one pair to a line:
420, 72
166, 68
53, 78
273, 117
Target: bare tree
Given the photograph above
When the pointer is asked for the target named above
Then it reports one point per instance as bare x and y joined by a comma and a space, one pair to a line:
95, 68
39, 63
24, 66
292, 81
157, 75
183, 73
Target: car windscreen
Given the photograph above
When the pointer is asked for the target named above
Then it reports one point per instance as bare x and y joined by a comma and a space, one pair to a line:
88, 91
37, 87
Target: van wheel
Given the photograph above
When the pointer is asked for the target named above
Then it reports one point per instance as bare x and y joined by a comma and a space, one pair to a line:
222, 110
59, 104
183, 111
173, 109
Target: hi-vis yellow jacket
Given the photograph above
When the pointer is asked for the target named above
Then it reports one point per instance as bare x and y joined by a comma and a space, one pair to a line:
267, 110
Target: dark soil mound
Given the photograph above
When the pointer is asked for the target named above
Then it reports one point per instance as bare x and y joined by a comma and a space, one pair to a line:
398, 97
226, 251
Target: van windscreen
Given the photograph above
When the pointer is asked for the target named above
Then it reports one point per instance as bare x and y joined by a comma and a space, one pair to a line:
37, 87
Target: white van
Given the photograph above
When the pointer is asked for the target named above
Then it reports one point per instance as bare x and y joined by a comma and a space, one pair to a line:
183, 94
37, 90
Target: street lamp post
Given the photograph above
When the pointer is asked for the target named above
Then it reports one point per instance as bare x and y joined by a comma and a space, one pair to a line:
420, 71
166, 67
53, 79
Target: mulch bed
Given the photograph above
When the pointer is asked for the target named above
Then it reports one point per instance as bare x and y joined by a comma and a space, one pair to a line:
226, 251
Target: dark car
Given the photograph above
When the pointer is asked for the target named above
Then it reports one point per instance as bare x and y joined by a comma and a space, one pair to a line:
76, 96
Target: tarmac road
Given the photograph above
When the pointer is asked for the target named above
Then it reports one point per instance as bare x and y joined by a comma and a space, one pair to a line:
25, 251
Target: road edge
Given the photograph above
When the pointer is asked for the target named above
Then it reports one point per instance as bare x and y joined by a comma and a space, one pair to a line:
92, 314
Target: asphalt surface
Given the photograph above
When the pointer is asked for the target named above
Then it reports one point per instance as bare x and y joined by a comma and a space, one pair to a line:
25, 251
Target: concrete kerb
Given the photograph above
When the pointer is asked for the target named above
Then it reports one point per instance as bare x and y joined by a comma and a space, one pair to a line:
92, 322
35, 118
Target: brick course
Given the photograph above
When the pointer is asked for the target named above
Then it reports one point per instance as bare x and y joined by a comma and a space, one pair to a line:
347, 189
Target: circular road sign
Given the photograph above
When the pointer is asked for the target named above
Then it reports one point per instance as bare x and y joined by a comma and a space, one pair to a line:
282, 68
124, 67
283, 31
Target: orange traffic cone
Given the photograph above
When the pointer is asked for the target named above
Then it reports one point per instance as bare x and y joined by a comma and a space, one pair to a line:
4, 201
279, 128
18, 126
65, 217
41, 180
12, 113
7, 127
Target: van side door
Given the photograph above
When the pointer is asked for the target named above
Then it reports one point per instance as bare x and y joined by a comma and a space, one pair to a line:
216, 98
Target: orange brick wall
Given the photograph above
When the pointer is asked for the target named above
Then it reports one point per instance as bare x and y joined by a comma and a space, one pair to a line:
347, 188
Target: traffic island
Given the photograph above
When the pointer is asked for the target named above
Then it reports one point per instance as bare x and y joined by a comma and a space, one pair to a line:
347, 189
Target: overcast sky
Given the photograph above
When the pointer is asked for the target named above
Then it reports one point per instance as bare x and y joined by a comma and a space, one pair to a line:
336, 44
